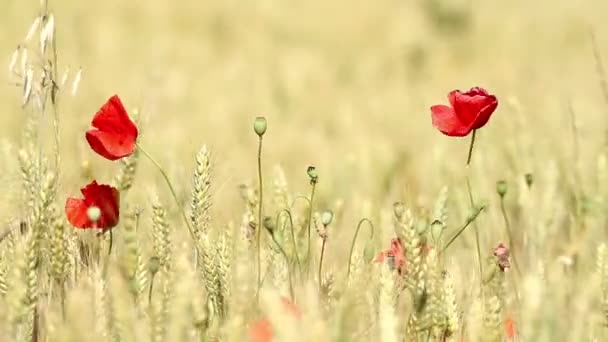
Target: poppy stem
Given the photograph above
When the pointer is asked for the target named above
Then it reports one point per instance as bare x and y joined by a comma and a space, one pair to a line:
352, 245
171, 189
260, 214
470, 219
470, 155
308, 256
289, 270
321, 261
293, 236
509, 233
470, 191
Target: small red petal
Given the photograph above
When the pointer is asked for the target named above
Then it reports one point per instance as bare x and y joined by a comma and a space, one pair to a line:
110, 145
76, 212
381, 257
445, 120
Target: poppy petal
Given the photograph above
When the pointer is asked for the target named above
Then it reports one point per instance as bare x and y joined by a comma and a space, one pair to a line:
114, 134
473, 108
76, 212
484, 114
445, 120
104, 197
110, 145
112, 117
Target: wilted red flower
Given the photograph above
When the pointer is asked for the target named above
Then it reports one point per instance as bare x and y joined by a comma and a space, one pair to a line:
469, 111
501, 252
395, 255
100, 196
261, 330
114, 134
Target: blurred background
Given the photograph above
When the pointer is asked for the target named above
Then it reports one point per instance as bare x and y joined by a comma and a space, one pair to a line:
345, 85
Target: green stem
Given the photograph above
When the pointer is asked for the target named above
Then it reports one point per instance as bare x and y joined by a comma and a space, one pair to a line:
477, 243
291, 292
312, 198
475, 228
321, 261
293, 236
260, 213
470, 155
509, 233
461, 230
151, 288
352, 245
171, 189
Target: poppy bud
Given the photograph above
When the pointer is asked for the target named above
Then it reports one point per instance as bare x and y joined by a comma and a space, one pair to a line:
398, 209
529, 179
327, 217
93, 213
501, 188
312, 174
269, 224
260, 125
437, 228
154, 265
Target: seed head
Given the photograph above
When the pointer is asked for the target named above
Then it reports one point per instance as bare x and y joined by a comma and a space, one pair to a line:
153, 265
313, 175
327, 217
501, 188
260, 125
529, 179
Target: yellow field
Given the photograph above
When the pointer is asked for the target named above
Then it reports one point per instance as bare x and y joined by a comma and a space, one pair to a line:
345, 86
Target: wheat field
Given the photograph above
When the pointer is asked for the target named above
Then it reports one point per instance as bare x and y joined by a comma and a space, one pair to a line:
345, 90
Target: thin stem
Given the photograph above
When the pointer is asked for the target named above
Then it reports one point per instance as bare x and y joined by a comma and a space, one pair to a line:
509, 233
291, 292
475, 228
151, 288
461, 230
293, 236
352, 245
260, 213
111, 243
470, 155
171, 189
312, 198
321, 260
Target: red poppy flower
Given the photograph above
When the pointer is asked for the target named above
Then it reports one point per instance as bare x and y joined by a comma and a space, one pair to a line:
261, 330
103, 197
395, 255
469, 111
114, 134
